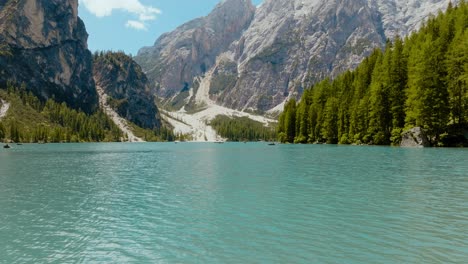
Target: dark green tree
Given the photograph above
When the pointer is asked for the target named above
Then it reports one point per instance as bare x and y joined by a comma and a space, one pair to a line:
290, 120
457, 79
427, 104
330, 121
2, 132
380, 117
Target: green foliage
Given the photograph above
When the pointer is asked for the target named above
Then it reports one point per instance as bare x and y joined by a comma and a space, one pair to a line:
30, 120
242, 129
330, 122
161, 134
427, 103
282, 137
398, 83
2, 131
344, 139
419, 81
380, 116
78, 124
119, 60
457, 79
396, 136
287, 121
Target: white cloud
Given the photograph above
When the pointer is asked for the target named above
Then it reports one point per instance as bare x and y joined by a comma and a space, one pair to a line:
136, 25
103, 8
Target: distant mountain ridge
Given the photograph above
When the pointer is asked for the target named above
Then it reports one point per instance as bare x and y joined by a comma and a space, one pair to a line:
255, 58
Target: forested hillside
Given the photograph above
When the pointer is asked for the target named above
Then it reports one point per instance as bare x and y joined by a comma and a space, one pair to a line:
242, 129
127, 88
31, 120
419, 81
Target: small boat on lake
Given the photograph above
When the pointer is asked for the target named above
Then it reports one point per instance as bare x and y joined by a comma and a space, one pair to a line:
6, 146
272, 144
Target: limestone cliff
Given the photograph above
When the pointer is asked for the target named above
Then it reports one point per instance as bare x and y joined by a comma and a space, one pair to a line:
191, 50
256, 58
44, 45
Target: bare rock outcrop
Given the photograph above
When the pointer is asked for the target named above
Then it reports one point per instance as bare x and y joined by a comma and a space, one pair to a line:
44, 45
415, 137
178, 57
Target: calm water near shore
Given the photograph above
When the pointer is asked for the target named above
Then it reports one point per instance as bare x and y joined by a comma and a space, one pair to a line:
232, 203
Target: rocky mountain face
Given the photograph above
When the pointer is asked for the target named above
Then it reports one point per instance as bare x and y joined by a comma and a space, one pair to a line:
256, 58
405, 16
127, 88
43, 44
177, 58
315, 39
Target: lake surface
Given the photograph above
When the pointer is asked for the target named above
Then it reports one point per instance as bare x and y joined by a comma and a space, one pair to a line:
232, 203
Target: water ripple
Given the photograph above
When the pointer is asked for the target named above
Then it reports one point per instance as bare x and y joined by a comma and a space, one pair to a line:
235, 203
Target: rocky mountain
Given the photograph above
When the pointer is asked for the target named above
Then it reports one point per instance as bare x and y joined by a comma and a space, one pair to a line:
44, 45
405, 16
254, 59
179, 57
127, 89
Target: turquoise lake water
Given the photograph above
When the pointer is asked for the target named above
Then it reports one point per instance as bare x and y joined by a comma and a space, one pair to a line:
232, 203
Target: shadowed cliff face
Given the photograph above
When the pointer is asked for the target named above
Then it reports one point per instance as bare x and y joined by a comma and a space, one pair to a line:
285, 47
123, 80
46, 48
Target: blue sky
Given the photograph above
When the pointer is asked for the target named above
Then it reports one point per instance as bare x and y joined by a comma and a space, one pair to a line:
129, 25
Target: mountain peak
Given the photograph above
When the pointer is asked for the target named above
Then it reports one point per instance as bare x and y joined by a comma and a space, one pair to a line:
255, 58
234, 3
192, 48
